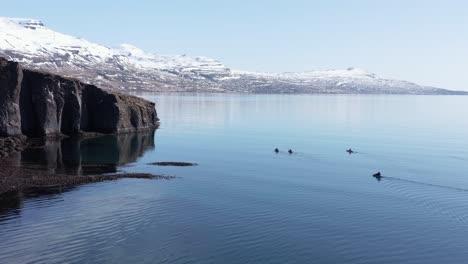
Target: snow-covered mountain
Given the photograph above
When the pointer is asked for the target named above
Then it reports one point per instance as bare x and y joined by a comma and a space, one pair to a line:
128, 68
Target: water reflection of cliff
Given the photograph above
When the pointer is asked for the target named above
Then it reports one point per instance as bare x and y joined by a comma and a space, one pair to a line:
75, 157
87, 156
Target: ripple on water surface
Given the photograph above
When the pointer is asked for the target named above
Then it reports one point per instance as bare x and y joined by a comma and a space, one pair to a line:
244, 203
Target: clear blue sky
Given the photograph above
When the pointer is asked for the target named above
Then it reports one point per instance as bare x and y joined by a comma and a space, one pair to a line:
420, 41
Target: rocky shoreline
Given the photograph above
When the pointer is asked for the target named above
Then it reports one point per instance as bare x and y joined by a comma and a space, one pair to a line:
36, 105
13, 179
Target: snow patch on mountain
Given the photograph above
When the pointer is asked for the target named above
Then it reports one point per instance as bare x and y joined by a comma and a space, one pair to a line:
128, 68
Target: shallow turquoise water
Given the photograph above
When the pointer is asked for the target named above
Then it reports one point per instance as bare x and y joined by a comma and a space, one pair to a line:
246, 204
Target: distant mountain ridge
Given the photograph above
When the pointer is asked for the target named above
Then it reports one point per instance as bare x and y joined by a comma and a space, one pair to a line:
127, 68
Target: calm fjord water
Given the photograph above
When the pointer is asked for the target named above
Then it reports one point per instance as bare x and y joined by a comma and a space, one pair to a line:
246, 204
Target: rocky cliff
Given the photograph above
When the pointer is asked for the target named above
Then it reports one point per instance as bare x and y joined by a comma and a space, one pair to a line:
35, 104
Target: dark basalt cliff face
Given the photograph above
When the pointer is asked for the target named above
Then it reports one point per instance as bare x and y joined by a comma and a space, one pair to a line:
38, 104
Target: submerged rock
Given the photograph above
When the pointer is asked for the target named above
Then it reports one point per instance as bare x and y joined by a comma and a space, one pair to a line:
10, 145
19, 179
35, 104
174, 163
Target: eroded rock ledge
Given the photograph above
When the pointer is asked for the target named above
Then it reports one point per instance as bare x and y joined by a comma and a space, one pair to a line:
37, 104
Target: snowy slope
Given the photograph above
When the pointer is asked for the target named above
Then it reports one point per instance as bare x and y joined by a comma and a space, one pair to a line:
127, 68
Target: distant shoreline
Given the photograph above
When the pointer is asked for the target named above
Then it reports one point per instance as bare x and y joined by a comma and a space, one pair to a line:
144, 93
